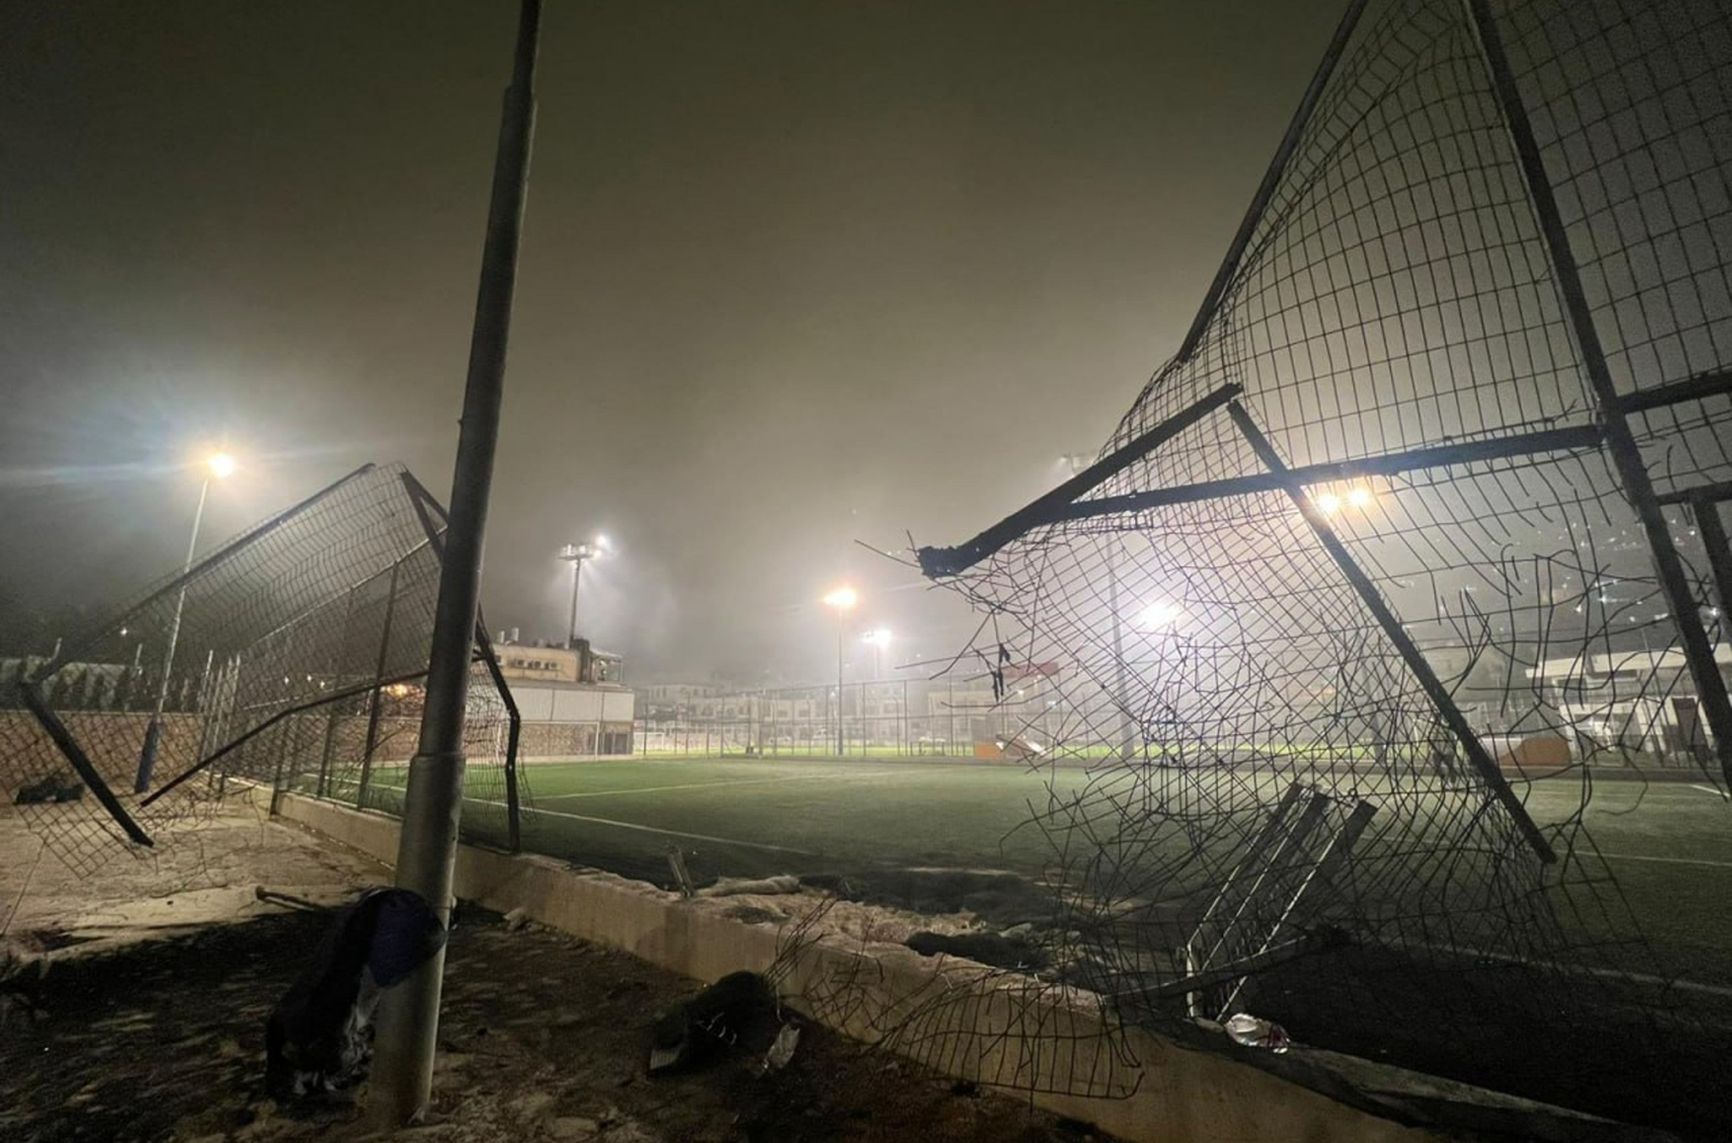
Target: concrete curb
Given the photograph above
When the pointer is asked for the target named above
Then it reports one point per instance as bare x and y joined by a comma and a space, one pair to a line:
1165, 1092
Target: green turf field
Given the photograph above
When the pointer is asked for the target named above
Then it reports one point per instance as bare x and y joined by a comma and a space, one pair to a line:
1670, 844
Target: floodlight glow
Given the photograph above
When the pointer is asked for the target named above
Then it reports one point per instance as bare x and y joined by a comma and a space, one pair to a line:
842, 598
577, 553
1157, 615
1329, 503
1359, 497
878, 637
220, 464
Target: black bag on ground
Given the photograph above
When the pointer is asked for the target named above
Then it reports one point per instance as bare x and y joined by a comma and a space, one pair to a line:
316, 1039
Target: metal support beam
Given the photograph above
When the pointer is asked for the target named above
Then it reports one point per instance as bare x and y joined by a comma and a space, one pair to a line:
1707, 513
1709, 493
81, 764
1632, 470
1410, 654
1390, 464
375, 703
1697, 388
936, 562
334, 716
514, 730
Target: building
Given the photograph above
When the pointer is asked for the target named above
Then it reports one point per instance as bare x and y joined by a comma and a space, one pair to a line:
541, 663
1642, 700
571, 699
669, 702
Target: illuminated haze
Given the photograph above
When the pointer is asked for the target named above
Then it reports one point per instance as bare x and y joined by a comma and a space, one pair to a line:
794, 275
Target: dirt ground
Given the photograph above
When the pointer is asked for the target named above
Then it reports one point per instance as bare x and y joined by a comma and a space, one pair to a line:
148, 1023
194, 878
544, 1037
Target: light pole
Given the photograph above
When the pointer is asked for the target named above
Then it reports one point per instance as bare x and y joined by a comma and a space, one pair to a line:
878, 638
433, 800
575, 554
843, 600
217, 466
1128, 733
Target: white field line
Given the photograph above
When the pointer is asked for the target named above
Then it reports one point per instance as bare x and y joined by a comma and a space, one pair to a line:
654, 829
1708, 790
1704, 862
635, 826
1571, 969
725, 782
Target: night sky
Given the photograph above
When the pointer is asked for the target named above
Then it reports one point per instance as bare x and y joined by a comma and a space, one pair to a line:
794, 274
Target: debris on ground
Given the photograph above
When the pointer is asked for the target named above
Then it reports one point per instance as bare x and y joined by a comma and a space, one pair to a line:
287, 900
541, 1038
1254, 1032
317, 1037
62, 786
730, 1014
760, 886
781, 1052
993, 949
682, 875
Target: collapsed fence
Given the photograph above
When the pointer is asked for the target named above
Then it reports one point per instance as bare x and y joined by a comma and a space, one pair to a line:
291, 656
1464, 378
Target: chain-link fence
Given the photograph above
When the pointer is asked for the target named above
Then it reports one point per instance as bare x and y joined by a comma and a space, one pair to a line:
971, 715
292, 656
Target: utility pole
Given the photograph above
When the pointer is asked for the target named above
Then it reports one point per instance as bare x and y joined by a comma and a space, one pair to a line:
409, 1012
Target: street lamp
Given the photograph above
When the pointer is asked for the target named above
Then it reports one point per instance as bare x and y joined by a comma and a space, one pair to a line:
843, 600
878, 638
1156, 616
1359, 496
217, 466
575, 554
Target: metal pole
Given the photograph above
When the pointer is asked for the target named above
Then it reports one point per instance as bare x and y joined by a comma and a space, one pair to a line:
1620, 441
378, 682
204, 698
334, 716
153, 732
409, 1012
283, 740
576, 578
950, 716
1128, 734
1719, 555
841, 626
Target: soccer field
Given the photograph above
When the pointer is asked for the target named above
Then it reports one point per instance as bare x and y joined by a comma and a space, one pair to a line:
1670, 844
